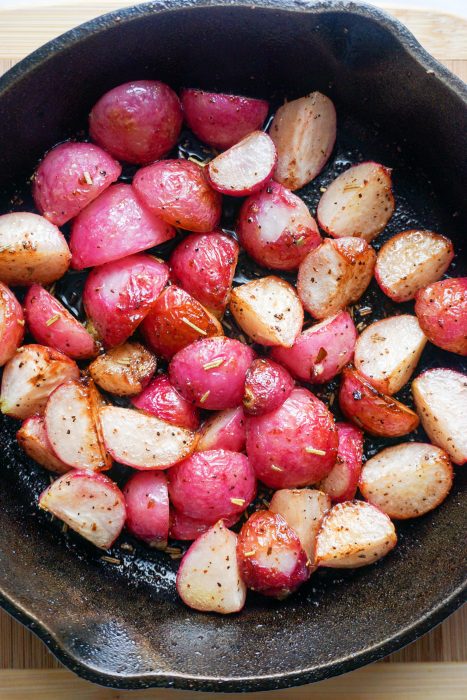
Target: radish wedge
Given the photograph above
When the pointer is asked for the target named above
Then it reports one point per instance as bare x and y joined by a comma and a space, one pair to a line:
89, 503
357, 203
354, 534
30, 377
303, 510
32, 437
225, 430
245, 167
387, 352
209, 577
73, 428
408, 480
441, 401
342, 481
268, 310
11, 324
142, 441
304, 132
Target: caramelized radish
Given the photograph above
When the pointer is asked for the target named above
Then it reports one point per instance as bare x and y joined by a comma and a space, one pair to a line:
245, 167
32, 436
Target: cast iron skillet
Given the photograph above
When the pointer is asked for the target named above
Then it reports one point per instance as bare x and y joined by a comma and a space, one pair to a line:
123, 625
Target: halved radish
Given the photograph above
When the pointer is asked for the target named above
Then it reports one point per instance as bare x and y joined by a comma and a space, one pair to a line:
32, 437
342, 481
354, 534
408, 480
303, 510
371, 410
142, 441
209, 577
335, 275
52, 324
11, 324
30, 377
268, 310
226, 430
410, 261
441, 401
124, 370
72, 426
147, 507
387, 352
441, 310
89, 503
245, 167
357, 203
304, 132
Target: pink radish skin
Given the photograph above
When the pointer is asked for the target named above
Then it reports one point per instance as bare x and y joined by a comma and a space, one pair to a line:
147, 508
441, 310
204, 265
212, 485
226, 430
244, 168
276, 229
222, 120
267, 386
32, 437
89, 503
179, 192
295, 445
341, 482
51, 324
70, 177
211, 373
321, 351
118, 295
11, 324
184, 528
113, 226
137, 122
160, 399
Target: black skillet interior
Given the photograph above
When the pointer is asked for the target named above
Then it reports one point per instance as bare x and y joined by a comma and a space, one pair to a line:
122, 624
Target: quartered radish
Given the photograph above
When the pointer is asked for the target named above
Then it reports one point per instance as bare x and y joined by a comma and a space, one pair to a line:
160, 399
304, 132
303, 510
387, 352
267, 386
441, 310
440, 397
335, 275
271, 557
11, 324
73, 428
143, 441
32, 437
30, 377
89, 503
411, 260
357, 203
268, 310
124, 370
407, 480
245, 167
226, 430
147, 507
342, 481
209, 577
354, 534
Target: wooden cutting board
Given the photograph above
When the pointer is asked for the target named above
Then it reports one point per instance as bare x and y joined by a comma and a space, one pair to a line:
411, 674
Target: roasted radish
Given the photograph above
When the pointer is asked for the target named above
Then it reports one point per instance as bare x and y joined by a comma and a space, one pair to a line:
244, 168
321, 351
357, 203
408, 480
160, 399
410, 261
226, 430
267, 386
387, 352
441, 310
209, 578
276, 229
376, 413
440, 397
303, 510
342, 481
143, 441
271, 557
31, 250
32, 437
11, 324
147, 507
268, 310
335, 275
295, 445
184, 528
89, 503
30, 377
304, 132
354, 534
211, 372
124, 370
